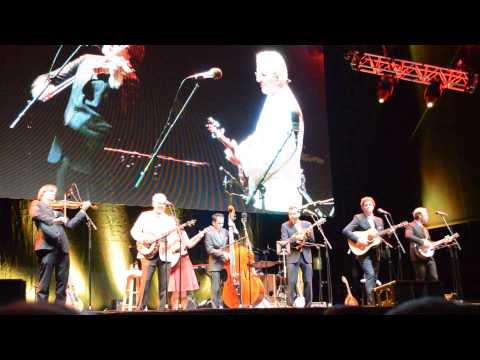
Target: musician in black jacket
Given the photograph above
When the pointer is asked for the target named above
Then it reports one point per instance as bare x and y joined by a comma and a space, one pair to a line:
91, 108
418, 234
215, 243
51, 243
370, 261
294, 230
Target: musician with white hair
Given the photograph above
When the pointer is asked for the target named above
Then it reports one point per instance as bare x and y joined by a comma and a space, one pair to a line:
150, 226
272, 152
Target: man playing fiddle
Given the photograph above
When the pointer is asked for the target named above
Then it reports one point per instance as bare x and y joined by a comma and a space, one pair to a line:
51, 242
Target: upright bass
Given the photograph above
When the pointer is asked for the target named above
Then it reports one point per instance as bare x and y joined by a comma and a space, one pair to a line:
242, 286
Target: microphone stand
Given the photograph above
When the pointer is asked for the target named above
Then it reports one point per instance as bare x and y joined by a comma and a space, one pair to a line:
179, 233
457, 281
399, 247
90, 225
167, 128
326, 244
50, 79
260, 186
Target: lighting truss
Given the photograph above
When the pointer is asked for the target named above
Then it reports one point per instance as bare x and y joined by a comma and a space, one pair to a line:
413, 71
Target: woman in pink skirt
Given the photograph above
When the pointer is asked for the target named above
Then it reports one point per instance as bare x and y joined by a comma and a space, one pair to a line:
188, 277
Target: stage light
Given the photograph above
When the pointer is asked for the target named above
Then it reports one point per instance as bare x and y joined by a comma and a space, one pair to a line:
385, 87
432, 93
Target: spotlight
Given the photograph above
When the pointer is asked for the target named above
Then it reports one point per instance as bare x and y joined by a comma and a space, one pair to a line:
432, 93
385, 88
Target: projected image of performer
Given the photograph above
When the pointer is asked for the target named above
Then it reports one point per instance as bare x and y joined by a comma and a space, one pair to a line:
88, 117
51, 243
272, 152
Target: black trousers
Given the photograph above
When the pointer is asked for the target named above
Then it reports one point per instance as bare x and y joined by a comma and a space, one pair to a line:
50, 261
425, 270
217, 278
163, 274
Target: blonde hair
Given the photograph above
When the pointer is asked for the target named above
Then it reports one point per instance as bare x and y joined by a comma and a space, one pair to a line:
365, 199
44, 189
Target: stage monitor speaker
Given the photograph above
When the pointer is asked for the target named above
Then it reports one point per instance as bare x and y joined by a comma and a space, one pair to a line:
396, 292
12, 290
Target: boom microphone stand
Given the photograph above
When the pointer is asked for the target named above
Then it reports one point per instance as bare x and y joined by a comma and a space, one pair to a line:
326, 244
90, 225
399, 247
166, 130
50, 79
457, 280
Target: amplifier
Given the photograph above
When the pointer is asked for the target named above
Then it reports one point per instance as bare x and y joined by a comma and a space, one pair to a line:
396, 292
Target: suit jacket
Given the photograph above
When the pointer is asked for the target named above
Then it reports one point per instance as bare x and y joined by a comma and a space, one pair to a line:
51, 236
360, 223
215, 243
84, 111
287, 232
414, 232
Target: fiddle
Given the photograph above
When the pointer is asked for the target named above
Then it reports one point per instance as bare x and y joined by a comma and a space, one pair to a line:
62, 204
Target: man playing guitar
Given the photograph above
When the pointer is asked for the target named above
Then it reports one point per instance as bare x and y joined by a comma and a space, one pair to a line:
271, 154
294, 231
417, 233
149, 227
369, 261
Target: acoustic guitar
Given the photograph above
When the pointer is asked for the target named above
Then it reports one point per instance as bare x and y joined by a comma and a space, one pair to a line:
372, 238
349, 300
175, 249
158, 244
218, 133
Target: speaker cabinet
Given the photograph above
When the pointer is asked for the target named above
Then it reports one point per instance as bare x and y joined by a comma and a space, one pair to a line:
12, 290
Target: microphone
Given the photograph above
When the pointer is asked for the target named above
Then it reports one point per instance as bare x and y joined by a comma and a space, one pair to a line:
381, 211
213, 73
225, 181
221, 168
441, 213
309, 212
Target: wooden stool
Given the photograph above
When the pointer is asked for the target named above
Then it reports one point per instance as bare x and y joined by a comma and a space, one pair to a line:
132, 286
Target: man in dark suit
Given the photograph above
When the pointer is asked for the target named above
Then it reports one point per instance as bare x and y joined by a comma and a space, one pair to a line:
51, 243
294, 231
215, 243
370, 261
88, 114
418, 234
